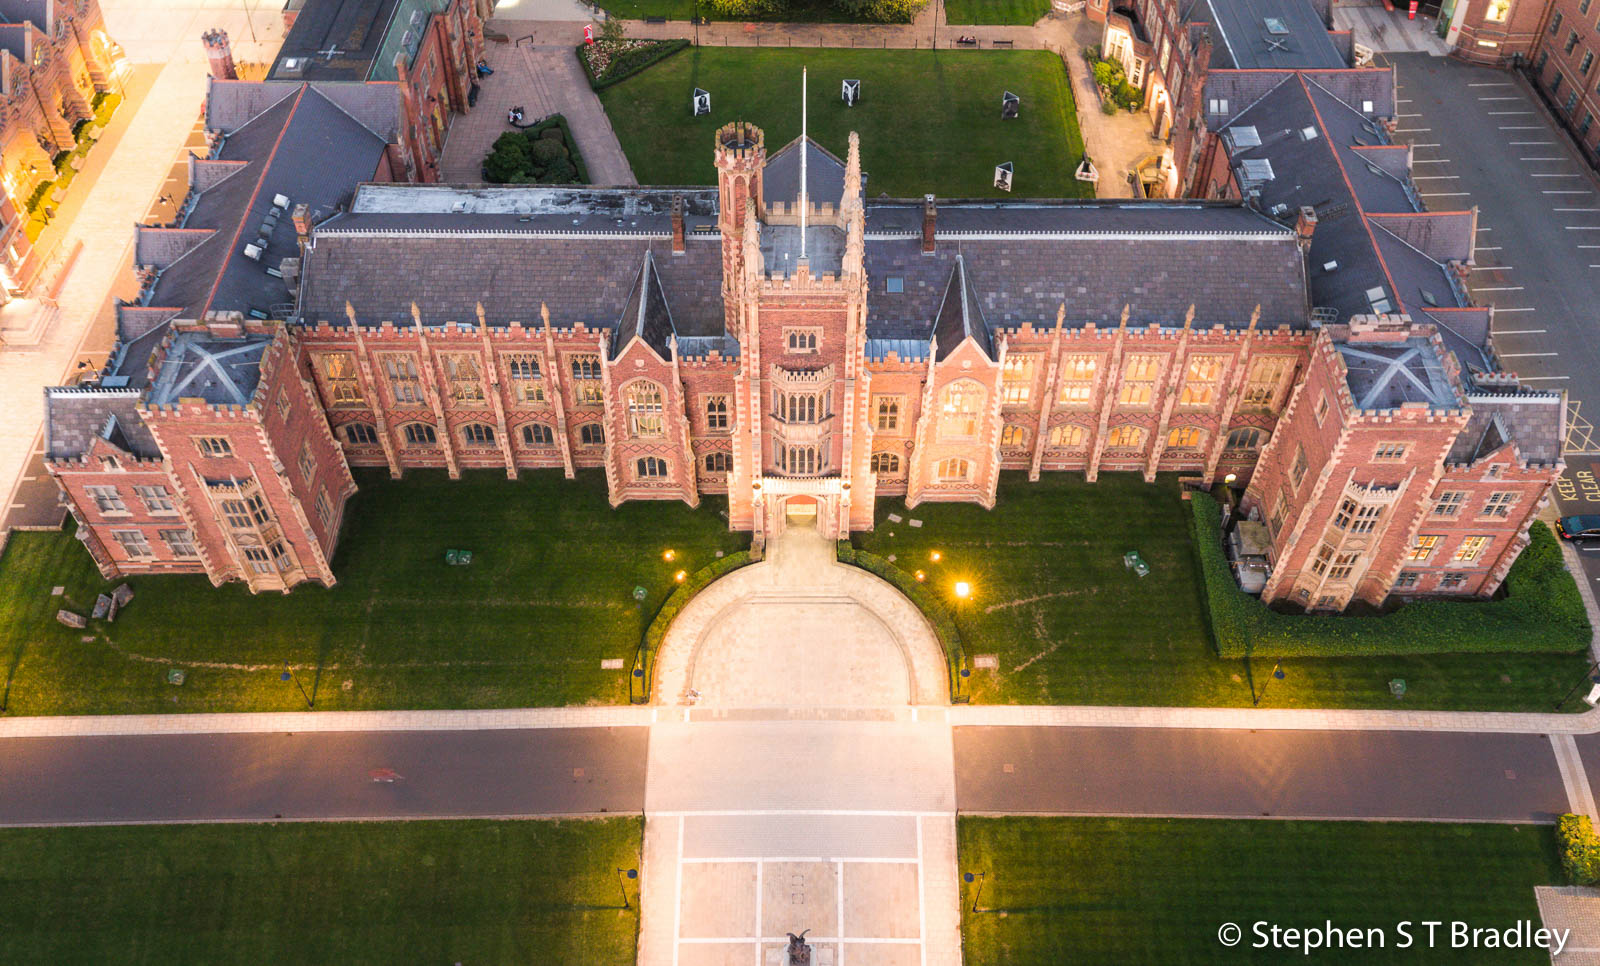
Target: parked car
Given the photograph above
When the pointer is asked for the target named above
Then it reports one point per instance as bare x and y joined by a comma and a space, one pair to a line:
1583, 529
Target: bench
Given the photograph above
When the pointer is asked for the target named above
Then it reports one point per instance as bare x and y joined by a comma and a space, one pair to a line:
1002, 43
655, 20
967, 43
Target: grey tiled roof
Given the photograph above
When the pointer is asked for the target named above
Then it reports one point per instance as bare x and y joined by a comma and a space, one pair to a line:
339, 40
1243, 39
230, 104
960, 315
780, 179
1535, 420
220, 371
74, 417
645, 315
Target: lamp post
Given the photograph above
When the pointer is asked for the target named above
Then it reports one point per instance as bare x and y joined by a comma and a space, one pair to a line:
289, 675
980, 876
623, 875
1277, 672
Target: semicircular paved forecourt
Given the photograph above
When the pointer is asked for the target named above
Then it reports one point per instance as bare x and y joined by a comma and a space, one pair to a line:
800, 630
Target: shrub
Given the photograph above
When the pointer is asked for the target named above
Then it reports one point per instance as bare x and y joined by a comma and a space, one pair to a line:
550, 134
881, 11
1128, 96
1540, 613
944, 627
509, 157
1108, 74
546, 150
675, 603
1580, 849
560, 171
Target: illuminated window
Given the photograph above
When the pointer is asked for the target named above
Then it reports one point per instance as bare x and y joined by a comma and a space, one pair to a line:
1200, 381
954, 470
885, 463
587, 389
644, 409
1497, 10
1139, 379
1266, 375
1077, 380
1470, 548
1013, 435
959, 407
339, 376
1067, 434
1016, 379
1184, 437
1424, 546
1125, 437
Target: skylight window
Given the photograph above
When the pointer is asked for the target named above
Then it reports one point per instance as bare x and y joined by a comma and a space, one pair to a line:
1255, 170
1308, 133
1379, 299
1245, 136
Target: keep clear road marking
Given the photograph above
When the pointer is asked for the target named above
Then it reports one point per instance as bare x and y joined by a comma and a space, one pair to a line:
1501, 288
1524, 355
1519, 331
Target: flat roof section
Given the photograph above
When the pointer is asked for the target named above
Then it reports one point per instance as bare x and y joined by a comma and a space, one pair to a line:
1385, 375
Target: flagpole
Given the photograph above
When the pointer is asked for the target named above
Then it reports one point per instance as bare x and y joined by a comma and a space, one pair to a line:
803, 152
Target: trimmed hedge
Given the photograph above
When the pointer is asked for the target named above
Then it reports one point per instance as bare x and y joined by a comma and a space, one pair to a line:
926, 600
1540, 613
645, 659
512, 156
1580, 849
632, 62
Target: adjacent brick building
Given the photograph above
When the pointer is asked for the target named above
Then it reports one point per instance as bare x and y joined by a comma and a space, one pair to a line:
803, 351
55, 57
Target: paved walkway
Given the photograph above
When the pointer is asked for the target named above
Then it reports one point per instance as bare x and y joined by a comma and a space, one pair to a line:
543, 80
1388, 31
800, 630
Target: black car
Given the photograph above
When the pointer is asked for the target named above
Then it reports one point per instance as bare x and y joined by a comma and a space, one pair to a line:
1583, 528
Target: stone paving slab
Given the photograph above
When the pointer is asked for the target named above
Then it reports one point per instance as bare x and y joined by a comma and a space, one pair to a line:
1578, 909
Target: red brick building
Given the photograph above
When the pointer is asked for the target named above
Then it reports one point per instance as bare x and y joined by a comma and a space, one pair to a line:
802, 351
55, 57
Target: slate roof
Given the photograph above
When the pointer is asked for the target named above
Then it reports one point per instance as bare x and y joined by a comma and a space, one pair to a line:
645, 315
780, 179
231, 104
1536, 420
342, 40
1245, 40
960, 316
74, 416
220, 371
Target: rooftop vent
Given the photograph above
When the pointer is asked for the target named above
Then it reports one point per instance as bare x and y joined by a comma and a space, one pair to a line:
292, 66
280, 202
252, 252
1280, 209
1308, 133
1427, 298
1332, 265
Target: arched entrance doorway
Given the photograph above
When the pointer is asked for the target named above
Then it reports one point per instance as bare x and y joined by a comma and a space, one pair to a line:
800, 511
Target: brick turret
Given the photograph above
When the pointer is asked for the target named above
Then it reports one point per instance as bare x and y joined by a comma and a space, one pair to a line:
219, 53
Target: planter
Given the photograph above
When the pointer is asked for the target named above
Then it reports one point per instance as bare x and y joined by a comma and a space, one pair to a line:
75, 162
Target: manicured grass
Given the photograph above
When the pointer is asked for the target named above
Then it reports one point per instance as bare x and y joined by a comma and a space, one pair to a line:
821, 11
1156, 891
347, 893
1010, 12
547, 597
1070, 625
929, 121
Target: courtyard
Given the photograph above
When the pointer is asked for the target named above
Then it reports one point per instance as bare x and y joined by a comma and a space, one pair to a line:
929, 120
548, 597
1066, 623
349, 893
1137, 891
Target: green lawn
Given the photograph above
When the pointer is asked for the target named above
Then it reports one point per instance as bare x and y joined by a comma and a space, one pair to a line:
929, 121
349, 893
1156, 891
547, 597
1012, 12
799, 12
1071, 625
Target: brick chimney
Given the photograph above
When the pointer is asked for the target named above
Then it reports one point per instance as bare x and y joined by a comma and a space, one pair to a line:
1305, 225
677, 225
929, 212
301, 216
219, 52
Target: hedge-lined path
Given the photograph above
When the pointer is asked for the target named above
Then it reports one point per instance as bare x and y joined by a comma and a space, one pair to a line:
800, 630
542, 80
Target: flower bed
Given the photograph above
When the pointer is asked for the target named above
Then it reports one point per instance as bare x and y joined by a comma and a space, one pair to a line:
608, 61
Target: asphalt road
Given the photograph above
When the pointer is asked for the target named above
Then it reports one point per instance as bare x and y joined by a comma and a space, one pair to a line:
261, 777
1281, 774
1480, 137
